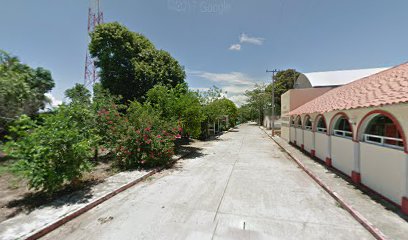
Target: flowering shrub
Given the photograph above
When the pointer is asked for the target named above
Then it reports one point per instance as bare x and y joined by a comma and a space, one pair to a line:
138, 138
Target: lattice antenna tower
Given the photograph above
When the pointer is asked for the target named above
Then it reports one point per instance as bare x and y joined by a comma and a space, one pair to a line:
95, 17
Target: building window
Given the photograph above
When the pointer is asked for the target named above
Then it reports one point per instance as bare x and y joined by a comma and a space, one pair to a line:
308, 123
298, 122
381, 130
342, 128
321, 125
292, 121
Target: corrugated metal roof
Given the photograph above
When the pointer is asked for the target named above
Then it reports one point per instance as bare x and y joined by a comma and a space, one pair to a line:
386, 87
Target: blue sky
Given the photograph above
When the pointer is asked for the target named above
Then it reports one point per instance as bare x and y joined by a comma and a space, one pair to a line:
219, 42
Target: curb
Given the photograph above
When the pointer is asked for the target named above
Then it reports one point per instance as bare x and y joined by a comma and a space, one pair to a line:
356, 215
52, 226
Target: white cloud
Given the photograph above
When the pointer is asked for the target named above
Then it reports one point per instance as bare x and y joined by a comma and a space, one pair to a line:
244, 38
54, 102
235, 47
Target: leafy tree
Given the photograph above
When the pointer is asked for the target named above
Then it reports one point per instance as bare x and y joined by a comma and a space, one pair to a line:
246, 113
283, 82
221, 108
178, 104
22, 89
211, 95
130, 64
259, 99
79, 94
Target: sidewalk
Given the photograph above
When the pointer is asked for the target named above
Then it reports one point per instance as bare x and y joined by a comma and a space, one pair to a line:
380, 213
48, 217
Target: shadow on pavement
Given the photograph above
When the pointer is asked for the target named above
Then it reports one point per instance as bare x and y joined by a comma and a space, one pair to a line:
67, 196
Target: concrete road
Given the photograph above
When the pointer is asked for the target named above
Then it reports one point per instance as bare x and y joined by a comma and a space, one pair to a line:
239, 187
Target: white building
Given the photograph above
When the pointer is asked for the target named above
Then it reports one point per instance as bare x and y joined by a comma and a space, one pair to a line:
360, 129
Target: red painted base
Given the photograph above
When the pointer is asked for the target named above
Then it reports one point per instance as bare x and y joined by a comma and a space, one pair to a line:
328, 162
355, 177
312, 153
302, 146
404, 205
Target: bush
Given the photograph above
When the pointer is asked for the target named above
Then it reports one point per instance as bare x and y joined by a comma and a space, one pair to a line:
178, 104
56, 152
138, 138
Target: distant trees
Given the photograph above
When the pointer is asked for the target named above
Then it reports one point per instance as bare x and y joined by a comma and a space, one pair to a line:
22, 88
259, 100
130, 64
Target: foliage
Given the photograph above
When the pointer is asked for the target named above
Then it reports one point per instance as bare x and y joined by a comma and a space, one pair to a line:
246, 113
283, 82
22, 89
178, 104
56, 152
210, 95
259, 100
139, 138
79, 94
130, 64
219, 109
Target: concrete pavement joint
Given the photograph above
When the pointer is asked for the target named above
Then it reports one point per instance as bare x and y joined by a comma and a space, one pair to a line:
226, 186
52, 226
356, 215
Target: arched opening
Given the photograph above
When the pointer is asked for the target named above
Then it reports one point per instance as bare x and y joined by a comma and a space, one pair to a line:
383, 131
321, 124
308, 123
292, 121
342, 127
298, 122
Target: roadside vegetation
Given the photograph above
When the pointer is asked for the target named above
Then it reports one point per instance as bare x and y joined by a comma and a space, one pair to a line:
259, 99
133, 119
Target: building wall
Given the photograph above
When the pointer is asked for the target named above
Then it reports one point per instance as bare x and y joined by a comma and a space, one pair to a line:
381, 168
322, 145
299, 137
342, 154
308, 140
293, 99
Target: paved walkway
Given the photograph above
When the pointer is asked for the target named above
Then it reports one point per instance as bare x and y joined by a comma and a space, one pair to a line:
239, 187
391, 222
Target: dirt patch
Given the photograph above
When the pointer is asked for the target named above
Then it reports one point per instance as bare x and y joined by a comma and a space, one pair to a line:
16, 197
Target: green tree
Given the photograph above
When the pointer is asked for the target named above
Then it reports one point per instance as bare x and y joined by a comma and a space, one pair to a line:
283, 82
259, 100
79, 94
130, 64
22, 89
180, 105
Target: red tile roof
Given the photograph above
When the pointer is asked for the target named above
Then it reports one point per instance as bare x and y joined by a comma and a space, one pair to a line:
383, 88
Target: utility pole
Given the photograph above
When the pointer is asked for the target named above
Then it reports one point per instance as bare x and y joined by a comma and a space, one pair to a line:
273, 99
